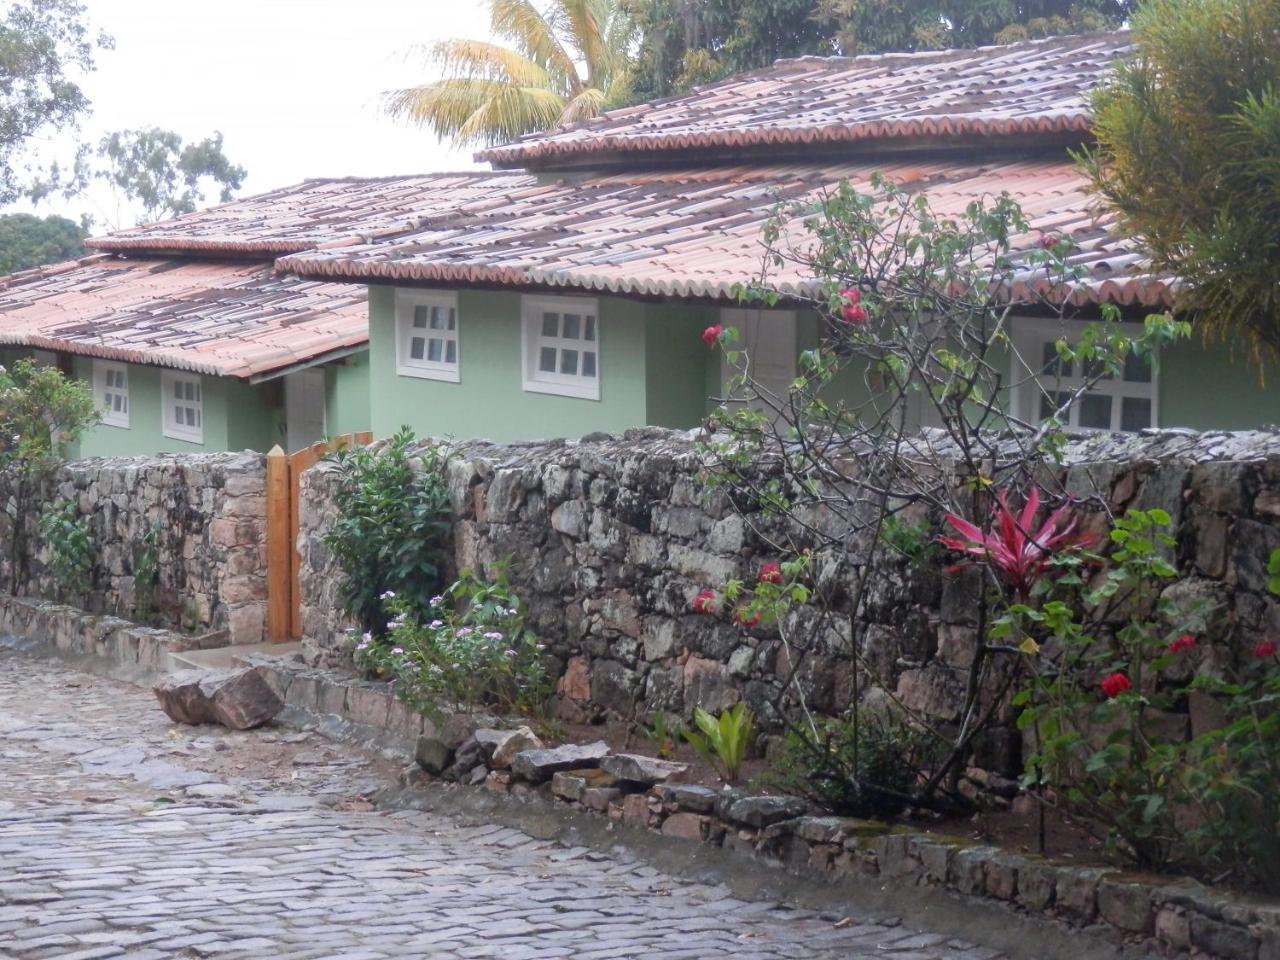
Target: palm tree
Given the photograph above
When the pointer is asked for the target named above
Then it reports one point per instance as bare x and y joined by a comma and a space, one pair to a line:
564, 63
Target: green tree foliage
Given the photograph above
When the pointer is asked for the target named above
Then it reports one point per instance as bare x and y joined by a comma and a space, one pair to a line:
686, 42
27, 241
156, 172
41, 413
43, 44
550, 63
1189, 155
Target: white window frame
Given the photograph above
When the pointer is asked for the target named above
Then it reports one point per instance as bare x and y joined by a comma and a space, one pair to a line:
533, 341
407, 303
172, 429
1030, 335
104, 370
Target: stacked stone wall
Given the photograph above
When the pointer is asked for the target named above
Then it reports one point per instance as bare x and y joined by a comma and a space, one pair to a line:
609, 540
208, 512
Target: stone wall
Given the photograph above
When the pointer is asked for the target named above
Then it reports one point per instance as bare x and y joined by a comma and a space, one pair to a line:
611, 539
208, 512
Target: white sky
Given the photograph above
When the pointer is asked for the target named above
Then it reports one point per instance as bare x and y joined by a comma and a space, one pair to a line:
292, 84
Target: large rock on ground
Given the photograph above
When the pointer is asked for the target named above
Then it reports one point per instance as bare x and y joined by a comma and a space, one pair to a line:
644, 770
238, 699
538, 765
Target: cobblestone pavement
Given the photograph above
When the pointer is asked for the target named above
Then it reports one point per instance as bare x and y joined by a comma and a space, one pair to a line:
122, 835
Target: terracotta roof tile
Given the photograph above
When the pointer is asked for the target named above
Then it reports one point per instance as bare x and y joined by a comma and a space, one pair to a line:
1039, 87
697, 233
314, 213
227, 319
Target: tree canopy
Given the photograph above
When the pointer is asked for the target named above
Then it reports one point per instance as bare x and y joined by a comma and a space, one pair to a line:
28, 241
43, 45
549, 63
1189, 156
159, 175
686, 42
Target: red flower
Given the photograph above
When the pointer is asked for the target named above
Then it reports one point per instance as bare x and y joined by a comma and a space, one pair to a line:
712, 334
770, 573
743, 620
1019, 553
1267, 648
1184, 642
854, 315
851, 295
1115, 685
705, 602
1049, 241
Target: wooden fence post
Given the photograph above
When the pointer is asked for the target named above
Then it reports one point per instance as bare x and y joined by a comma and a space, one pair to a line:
279, 548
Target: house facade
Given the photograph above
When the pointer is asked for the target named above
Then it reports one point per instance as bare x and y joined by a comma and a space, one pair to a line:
573, 301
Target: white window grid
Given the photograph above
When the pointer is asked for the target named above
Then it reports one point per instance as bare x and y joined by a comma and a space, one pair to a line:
1122, 404
427, 336
111, 387
183, 401
562, 346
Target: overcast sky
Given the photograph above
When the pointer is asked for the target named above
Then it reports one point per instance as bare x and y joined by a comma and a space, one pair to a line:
292, 84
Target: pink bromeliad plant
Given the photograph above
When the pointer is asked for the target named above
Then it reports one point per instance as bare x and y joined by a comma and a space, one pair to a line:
1015, 548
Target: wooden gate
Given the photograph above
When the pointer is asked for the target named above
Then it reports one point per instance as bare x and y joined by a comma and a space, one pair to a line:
284, 484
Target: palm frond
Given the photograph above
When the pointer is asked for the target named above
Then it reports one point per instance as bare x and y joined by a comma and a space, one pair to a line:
585, 22
510, 112
584, 106
478, 60
533, 35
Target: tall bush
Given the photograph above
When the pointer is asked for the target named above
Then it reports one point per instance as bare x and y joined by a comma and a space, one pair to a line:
41, 414
392, 529
916, 307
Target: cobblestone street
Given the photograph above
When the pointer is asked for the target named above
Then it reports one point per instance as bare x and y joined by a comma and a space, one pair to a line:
122, 835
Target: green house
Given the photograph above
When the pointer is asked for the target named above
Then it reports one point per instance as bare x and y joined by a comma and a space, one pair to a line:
565, 292
190, 339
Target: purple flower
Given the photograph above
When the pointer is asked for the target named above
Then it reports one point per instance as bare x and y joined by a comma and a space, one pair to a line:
398, 651
389, 595
437, 624
494, 635
509, 652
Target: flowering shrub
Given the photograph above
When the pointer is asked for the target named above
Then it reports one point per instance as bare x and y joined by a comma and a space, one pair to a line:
473, 650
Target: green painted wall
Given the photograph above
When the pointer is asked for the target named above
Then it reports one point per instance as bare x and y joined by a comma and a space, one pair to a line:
347, 395
490, 401
1203, 387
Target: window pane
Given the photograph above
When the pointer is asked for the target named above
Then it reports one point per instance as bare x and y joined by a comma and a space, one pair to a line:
1135, 414
551, 324
177, 389
117, 403
588, 363
435, 350
195, 392
590, 333
420, 316
572, 326
177, 415
1137, 369
1095, 411
1095, 369
569, 362
453, 318
1052, 364
547, 360
451, 352
417, 346
437, 318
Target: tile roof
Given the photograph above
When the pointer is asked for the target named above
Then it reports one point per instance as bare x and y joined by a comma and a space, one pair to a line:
697, 233
314, 213
1036, 87
222, 318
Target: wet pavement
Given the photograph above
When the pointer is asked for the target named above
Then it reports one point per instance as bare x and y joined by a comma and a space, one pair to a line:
123, 835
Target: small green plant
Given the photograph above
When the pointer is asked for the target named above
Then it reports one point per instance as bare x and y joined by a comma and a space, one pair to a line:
392, 530
664, 733
724, 741
146, 572
473, 651
1273, 571
70, 541
866, 764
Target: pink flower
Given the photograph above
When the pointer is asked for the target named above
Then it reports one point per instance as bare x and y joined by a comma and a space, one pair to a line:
1020, 554
854, 315
743, 620
1115, 685
1049, 241
1184, 642
711, 335
705, 602
851, 295
1265, 649
770, 573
